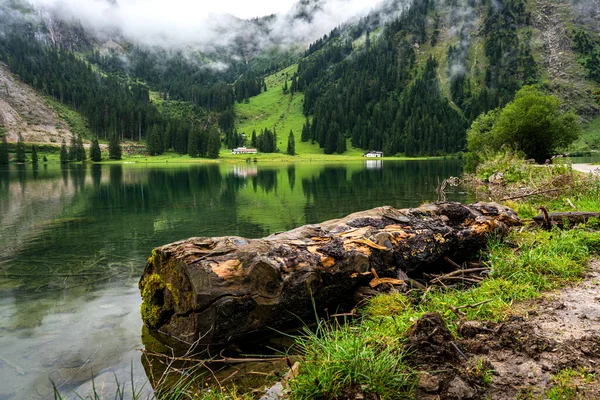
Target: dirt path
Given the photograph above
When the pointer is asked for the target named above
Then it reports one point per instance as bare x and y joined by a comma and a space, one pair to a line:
587, 168
522, 355
563, 331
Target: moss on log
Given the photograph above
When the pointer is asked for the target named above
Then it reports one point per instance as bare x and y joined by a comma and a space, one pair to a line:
220, 289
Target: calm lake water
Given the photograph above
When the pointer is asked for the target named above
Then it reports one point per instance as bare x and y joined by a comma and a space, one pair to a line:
74, 243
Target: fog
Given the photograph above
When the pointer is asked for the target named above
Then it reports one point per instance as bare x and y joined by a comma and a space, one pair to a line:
192, 23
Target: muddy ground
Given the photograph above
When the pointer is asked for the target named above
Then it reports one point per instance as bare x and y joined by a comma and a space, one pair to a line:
520, 356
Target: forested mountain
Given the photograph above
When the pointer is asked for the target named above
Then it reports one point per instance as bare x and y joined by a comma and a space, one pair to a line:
407, 78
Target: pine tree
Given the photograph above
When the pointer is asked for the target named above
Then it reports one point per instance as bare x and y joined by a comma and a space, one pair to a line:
285, 86
155, 142
81, 156
291, 147
34, 155
64, 153
214, 144
305, 131
294, 86
21, 157
95, 153
3, 151
193, 143
341, 143
253, 140
114, 147
73, 149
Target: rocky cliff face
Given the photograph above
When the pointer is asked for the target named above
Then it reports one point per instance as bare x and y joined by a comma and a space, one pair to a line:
24, 112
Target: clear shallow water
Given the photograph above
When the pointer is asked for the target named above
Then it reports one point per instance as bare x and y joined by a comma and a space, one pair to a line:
73, 243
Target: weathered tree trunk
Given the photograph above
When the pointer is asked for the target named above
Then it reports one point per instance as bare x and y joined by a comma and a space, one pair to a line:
220, 289
559, 218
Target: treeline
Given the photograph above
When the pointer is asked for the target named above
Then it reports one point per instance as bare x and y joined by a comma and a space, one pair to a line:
265, 141
510, 60
378, 98
249, 86
175, 75
111, 107
114, 109
588, 45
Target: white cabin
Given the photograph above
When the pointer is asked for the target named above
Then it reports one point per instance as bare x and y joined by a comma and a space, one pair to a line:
374, 154
244, 150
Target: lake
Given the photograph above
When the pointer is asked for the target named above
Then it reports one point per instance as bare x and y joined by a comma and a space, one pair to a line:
74, 242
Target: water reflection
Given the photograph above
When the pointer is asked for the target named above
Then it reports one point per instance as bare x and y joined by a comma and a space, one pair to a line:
75, 240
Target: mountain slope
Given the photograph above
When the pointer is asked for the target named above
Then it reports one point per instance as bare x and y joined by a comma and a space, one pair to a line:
407, 78
24, 112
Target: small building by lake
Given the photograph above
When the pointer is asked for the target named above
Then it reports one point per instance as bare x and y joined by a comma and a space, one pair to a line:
244, 150
374, 154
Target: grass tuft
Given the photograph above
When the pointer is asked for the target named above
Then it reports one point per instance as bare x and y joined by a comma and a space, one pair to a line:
342, 358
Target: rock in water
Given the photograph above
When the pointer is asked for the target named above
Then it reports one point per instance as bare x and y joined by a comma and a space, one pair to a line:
219, 289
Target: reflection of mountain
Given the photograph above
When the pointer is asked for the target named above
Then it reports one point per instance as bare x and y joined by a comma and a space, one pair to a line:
28, 199
399, 184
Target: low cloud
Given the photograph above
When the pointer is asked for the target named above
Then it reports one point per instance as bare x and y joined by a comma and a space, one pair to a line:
178, 24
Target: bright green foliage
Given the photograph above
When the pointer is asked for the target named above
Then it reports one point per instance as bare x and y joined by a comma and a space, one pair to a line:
64, 153
291, 146
3, 151
34, 155
95, 153
21, 157
114, 148
572, 384
341, 357
532, 123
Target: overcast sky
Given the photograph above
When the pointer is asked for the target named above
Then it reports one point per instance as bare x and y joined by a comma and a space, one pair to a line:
243, 8
203, 23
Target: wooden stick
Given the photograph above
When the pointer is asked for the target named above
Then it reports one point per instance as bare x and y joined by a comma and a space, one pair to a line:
455, 265
459, 351
458, 278
531, 194
474, 305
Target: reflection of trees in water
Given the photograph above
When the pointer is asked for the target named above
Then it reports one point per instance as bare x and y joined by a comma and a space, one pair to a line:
291, 170
332, 195
265, 179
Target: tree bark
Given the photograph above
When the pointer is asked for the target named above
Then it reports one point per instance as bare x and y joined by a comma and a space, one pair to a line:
219, 289
559, 218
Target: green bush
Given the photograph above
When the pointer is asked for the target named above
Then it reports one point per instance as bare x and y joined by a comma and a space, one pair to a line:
533, 124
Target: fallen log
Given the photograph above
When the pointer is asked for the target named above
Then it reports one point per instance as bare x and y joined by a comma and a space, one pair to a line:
572, 218
215, 290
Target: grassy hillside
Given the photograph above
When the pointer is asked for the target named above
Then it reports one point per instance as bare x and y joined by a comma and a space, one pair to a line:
590, 139
74, 120
275, 109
